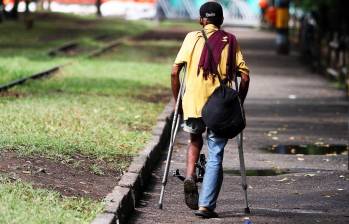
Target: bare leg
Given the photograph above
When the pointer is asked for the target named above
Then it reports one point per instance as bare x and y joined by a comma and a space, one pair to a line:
191, 194
194, 149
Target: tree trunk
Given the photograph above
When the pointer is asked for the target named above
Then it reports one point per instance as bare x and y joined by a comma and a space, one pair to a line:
28, 18
14, 11
27, 2
98, 5
1, 10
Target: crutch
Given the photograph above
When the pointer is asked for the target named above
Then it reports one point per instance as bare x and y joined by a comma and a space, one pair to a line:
174, 129
243, 170
239, 141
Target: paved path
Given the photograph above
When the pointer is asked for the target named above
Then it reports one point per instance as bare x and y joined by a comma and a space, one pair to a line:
286, 104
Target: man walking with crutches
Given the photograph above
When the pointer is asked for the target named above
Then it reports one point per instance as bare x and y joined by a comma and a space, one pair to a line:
200, 82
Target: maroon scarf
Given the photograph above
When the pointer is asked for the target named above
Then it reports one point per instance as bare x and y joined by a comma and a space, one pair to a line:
208, 65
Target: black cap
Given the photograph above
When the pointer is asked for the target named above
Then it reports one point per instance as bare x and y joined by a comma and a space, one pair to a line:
212, 10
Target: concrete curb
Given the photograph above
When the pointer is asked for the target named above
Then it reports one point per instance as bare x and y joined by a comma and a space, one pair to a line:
120, 203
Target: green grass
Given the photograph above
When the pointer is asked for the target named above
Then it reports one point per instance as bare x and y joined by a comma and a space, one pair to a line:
181, 24
93, 107
101, 107
20, 203
24, 52
16, 67
163, 52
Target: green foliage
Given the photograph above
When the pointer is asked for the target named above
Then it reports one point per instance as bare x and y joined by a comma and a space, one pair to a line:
96, 169
20, 203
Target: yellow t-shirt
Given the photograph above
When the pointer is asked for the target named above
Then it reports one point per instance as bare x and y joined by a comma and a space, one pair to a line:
197, 89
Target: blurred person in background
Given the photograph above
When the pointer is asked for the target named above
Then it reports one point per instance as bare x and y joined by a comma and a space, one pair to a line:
263, 5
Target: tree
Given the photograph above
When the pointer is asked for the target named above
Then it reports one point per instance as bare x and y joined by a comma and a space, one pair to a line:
27, 2
1, 10
28, 19
98, 5
14, 11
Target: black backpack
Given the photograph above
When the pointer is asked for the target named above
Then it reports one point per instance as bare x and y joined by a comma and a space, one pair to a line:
223, 112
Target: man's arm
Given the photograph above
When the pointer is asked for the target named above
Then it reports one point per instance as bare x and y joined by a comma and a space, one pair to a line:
243, 72
244, 84
175, 82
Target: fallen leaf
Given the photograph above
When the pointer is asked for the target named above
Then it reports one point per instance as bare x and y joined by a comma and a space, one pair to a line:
283, 179
26, 172
275, 138
299, 154
300, 158
309, 175
41, 170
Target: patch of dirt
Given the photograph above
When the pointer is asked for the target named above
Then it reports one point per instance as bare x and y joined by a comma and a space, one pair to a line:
106, 37
68, 34
14, 94
80, 176
162, 95
173, 34
73, 51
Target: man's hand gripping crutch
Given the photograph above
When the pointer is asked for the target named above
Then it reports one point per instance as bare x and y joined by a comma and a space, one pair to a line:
174, 129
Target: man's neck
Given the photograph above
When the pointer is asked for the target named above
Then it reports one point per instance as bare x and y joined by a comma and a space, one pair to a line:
218, 27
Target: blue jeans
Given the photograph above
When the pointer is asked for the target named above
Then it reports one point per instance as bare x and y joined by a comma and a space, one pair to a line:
214, 171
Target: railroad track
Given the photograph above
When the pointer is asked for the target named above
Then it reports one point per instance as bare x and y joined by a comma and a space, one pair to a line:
64, 48
38, 75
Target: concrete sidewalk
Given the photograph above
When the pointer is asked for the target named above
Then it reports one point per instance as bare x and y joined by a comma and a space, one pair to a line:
286, 105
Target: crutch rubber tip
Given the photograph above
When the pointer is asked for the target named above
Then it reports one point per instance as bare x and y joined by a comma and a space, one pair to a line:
160, 206
247, 210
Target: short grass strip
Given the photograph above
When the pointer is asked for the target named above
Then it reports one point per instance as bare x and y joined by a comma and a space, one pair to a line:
93, 107
24, 52
20, 203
